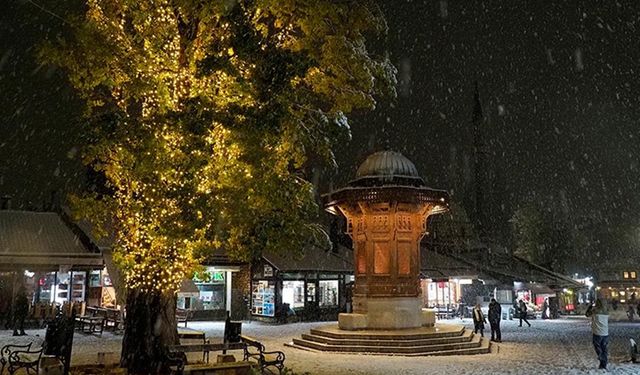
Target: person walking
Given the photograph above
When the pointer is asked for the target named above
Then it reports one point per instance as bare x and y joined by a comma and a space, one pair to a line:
523, 313
600, 329
478, 320
495, 312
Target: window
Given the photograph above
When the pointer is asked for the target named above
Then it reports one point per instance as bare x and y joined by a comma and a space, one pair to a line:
212, 287
633, 274
293, 293
625, 274
629, 275
328, 293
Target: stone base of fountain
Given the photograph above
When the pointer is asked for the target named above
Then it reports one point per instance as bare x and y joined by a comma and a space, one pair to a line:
449, 339
386, 313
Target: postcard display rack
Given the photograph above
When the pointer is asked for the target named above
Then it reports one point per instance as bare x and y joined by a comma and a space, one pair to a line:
263, 301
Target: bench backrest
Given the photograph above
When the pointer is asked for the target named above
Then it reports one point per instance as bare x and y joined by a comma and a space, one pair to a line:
252, 342
205, 347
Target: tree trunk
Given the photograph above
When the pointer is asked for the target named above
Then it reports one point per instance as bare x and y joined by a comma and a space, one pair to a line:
150, 326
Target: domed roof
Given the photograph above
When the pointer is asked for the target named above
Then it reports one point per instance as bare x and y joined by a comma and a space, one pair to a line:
388, 166
387, 163
386, 176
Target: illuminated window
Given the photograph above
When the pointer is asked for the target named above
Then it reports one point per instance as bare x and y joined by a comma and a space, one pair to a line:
625, 274
633, 274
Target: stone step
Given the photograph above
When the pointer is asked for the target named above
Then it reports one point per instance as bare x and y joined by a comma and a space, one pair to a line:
411, 342
484, 348
418, 334
473, 343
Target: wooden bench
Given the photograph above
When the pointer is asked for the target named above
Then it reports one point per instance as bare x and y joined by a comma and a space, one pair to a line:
90, 324
238, 368
255, 351
182, 316
113, 319
177, 355
16, 357
191, 334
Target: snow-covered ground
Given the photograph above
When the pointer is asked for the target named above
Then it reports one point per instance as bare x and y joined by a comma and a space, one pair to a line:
548, 347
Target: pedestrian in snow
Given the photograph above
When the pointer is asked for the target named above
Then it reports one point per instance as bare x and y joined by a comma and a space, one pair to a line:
630, 312
20, 312
600, 329
523, 313
545, 309
460, 309
478, 320
495, 311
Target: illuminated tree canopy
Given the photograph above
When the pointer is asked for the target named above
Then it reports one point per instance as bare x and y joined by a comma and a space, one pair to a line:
203, 115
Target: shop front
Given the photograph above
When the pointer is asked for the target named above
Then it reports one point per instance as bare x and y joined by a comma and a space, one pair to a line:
47, 257
210, 294
287, 290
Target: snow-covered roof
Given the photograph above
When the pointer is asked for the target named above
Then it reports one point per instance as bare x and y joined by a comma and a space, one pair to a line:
42, 240
314, 259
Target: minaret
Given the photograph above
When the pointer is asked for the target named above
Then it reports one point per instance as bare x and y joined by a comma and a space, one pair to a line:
480, 157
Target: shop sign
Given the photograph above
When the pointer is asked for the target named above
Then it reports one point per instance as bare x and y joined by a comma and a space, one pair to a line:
268, 271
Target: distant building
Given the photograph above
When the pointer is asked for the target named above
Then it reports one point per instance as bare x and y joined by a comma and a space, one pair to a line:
619, 283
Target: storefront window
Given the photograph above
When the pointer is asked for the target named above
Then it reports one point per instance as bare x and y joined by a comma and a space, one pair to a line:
441, 293
311, 292
61, 293
77, 291
263, 297
328, 293
94, 279
46, 286
293, 293
212, 287
62, 288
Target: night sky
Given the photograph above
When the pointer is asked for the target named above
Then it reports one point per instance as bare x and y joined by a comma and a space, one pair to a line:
558, 82
559, 88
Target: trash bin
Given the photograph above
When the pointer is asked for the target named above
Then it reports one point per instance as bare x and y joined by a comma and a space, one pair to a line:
58, 340
232, 330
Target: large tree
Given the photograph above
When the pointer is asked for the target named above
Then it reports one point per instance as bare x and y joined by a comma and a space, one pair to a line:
202, 119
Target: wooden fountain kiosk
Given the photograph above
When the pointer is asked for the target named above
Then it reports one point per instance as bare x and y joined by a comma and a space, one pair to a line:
386, 208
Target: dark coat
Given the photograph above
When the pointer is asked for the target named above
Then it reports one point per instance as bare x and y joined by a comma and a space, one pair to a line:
495, 312
478, 322
22, 305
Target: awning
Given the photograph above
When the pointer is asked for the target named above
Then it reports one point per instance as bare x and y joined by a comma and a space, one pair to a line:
188, 289
50, 263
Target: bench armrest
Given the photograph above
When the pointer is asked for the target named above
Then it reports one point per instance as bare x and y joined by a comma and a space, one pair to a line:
29, 356
6, 350
280, 357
